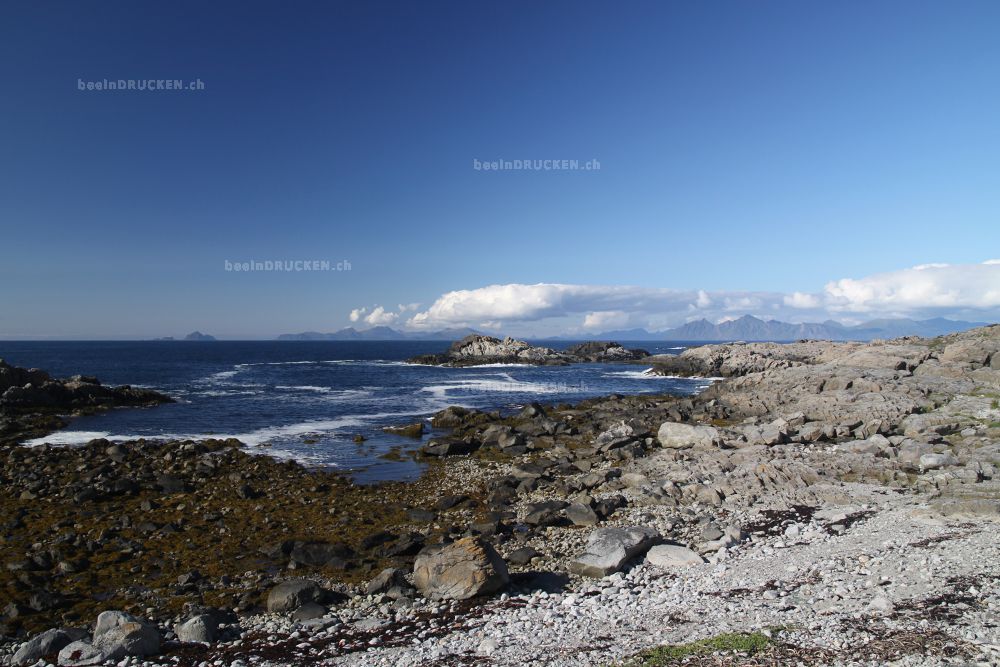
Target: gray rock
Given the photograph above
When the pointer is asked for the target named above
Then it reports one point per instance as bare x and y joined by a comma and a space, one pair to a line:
292, 594
464, 569
81, 654
202, 629
108, 620
732, 535
935, 461
129, 639
682, 436
447, 447
608, 549
385, 580
545, 513
672, 555
910, 453
308, 611
523, 555
581, 515
617, 435
46, 643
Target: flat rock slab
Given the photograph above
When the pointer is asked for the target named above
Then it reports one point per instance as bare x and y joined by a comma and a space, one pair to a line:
672, 556
682, 436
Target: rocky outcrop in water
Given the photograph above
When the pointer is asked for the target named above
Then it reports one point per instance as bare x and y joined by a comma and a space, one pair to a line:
478, 349
32, 402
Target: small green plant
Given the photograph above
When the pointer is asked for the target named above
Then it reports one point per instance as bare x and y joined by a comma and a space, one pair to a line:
995, 404
737, 642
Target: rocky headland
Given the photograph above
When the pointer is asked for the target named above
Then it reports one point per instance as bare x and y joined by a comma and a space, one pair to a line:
825, 503
33, 404
477, 350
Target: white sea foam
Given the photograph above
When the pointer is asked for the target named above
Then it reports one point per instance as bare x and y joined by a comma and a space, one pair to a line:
486, 366
230, 392
446, 393
67, 438
638, 375
221, 375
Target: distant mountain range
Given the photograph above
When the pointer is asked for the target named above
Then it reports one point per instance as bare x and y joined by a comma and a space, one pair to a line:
752, 328
198, 336
380, 333
748, 328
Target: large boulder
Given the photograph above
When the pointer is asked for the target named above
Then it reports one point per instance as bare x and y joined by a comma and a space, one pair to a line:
464, 569
292, 594
46, 643
117, 635
129, 639
81, 654
448, 447
201, 629
608, 549
108, 620
673, 435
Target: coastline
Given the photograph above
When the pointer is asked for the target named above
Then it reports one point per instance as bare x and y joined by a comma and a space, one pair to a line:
610, 463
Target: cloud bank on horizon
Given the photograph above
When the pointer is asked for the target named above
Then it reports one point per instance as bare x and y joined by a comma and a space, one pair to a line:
959, 291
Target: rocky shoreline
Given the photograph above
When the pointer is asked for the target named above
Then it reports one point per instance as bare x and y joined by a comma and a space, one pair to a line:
827, 503
477, 350
34, 404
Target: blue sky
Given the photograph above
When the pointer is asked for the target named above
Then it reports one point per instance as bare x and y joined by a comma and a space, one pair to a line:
748, 151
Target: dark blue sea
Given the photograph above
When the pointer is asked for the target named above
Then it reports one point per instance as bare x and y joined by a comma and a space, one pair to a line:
307, 400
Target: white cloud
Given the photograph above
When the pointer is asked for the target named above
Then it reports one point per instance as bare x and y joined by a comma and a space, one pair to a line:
921, 288
380, 317
605, 319
611, 305
969, 291
802, 300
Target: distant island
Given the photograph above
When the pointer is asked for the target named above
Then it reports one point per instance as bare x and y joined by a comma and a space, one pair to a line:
381, 333
198, 336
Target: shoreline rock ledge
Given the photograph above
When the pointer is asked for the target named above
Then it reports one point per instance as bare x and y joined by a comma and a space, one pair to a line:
477, 350
33, 404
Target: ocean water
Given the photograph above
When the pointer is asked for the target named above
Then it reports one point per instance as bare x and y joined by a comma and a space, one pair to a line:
307, 400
